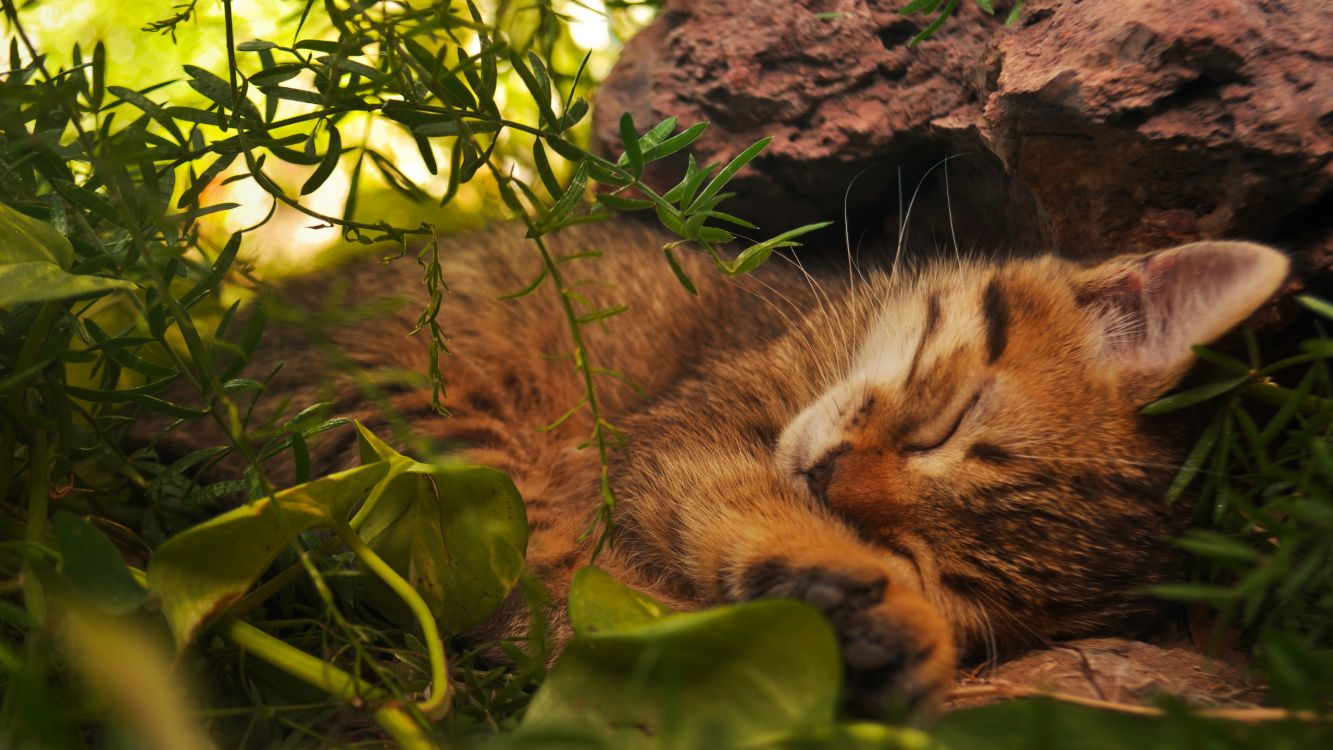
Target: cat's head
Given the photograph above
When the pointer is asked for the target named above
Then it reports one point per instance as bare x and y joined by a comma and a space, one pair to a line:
988, 433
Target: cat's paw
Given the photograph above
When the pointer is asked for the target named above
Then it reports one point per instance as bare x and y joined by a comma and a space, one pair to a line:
897, 650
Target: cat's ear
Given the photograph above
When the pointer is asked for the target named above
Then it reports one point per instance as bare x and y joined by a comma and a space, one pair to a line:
1148, 310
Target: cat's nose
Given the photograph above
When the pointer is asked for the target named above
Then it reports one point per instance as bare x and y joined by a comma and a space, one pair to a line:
817, 477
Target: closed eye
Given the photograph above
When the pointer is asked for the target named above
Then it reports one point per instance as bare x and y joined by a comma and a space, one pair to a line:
936, 441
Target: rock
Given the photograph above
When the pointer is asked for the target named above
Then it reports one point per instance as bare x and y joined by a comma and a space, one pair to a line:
1090, 128
1114, 670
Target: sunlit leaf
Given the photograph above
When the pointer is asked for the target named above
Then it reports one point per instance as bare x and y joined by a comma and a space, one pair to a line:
599, 603
458, 533
33, 259
202, 570
638, 676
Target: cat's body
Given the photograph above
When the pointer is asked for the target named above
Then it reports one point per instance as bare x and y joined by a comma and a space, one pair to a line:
948, 460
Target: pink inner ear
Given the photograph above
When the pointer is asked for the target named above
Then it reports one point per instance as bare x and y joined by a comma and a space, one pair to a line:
1153, 308
1121, 302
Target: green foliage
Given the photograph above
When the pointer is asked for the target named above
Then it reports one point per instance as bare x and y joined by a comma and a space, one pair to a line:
1262, 474
320, 614
460, 531
34, 263
944, 9
119, 275
762, 674
1043, 724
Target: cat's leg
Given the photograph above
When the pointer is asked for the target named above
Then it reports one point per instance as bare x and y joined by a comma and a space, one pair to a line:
737, 531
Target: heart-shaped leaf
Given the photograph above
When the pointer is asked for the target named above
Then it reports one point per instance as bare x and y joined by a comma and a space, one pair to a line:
33, 259
202, 570
458, 533
639, 676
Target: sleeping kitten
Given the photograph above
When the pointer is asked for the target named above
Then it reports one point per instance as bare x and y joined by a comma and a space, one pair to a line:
945, 460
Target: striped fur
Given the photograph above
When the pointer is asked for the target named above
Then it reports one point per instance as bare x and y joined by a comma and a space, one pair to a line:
946, 460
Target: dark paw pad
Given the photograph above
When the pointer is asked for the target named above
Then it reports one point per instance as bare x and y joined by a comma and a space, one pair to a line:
889, 637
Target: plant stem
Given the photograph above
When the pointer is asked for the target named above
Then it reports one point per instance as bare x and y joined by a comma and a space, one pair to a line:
34, 599
279, 582
586, 369
41, 328
406, 731
1276, 395
437, 705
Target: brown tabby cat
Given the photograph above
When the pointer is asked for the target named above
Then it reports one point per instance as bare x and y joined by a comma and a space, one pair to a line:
945, 460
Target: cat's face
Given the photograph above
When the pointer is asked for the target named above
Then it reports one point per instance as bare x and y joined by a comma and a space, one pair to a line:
988, 436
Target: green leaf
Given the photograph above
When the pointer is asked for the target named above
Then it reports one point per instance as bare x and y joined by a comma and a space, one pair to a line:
738, 221
1192, 592
255, 45
1052, 725
118, 352
291, 94
199, 572
601, 314
1321, 306
1217, 547
529, 289
572, 116
1014, 13
326, 166
33, 259
195, 115
578, 184
599, 603
1202, 449
638, 676
683, 192
205, 178
276, 74
211, 86
676, 142
149, 107
713, 235
94, 568
671, 221
623, 204
216, 272
935, 25
457, 533
352, 66
451, 127
755, 255
319, 45
98, 92
657, 133
630, 139
29, 240
679, 271
1192, 396
544, 170
729, 171
919, 6
538, 85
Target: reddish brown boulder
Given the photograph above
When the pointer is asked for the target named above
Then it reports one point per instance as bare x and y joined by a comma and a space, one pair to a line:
1114, 671
1087, 127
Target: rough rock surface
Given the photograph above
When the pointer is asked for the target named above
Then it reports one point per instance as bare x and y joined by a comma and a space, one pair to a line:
1116, 671
1088, 127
